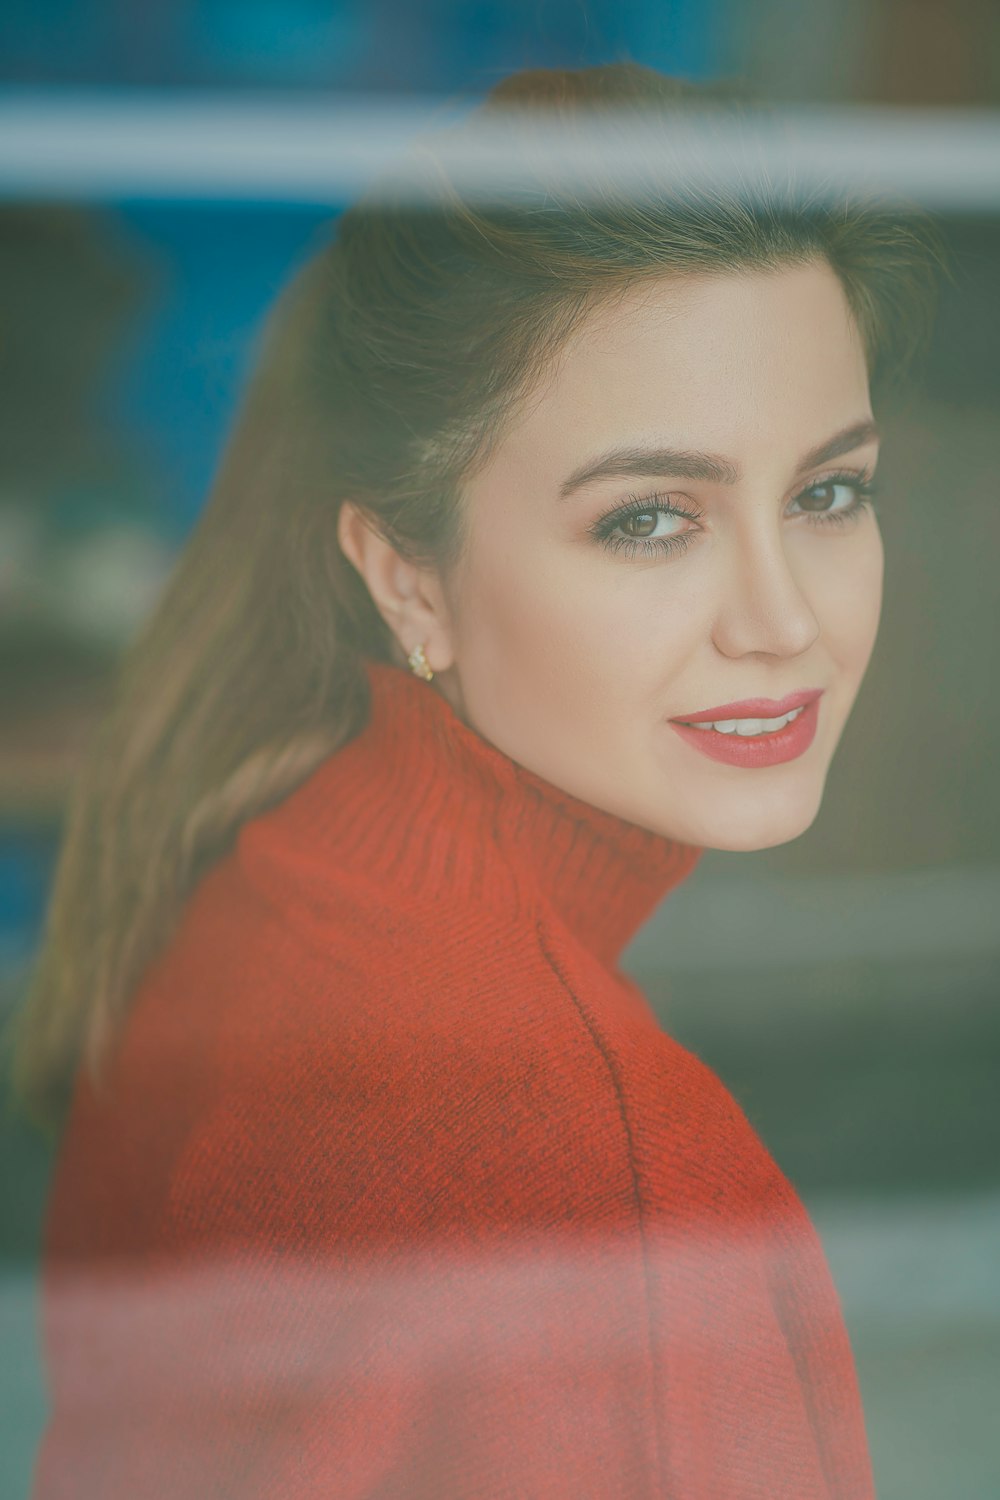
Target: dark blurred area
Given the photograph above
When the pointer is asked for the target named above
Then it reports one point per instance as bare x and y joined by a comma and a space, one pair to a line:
866, 1051
893, 51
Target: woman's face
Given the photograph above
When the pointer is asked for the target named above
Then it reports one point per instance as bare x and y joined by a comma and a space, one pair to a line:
751, 568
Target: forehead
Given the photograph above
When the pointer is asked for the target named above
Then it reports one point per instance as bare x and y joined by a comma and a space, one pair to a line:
736, 362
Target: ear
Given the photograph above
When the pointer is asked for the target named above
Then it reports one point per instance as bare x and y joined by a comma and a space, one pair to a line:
409, 598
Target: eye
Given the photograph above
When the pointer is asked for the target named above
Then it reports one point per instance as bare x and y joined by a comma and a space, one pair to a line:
648, 524
837, 499
645, 525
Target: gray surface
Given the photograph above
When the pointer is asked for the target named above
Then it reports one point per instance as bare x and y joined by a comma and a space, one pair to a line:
866, 1056
918, 1284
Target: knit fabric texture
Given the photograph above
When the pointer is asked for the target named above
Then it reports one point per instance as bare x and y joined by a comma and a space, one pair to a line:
398, 1190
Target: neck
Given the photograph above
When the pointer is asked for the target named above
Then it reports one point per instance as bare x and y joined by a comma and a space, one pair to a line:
421, 800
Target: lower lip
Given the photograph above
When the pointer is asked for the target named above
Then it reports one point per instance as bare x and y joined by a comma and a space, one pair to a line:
755, 749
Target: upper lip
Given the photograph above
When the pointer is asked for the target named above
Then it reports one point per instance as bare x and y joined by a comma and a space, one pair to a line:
751, 708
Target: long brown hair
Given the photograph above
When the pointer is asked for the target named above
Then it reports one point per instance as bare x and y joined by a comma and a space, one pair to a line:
385, 374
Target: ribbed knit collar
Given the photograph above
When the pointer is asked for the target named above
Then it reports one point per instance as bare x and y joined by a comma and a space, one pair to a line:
421, 800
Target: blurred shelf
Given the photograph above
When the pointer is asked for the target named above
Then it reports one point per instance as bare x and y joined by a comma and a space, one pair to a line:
72, 144
39, 756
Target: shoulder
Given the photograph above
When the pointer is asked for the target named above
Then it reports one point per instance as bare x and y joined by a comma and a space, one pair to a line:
402, 1128
435, 1104
373, 1075
692, 1148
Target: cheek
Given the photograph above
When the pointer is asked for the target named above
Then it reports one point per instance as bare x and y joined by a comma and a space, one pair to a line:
544, 602
845, 588
581, 635
519, 607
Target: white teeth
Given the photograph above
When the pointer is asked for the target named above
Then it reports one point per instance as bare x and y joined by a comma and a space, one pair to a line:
749, 726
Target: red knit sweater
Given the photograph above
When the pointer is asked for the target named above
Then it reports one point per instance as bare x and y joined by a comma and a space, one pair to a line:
399, 1191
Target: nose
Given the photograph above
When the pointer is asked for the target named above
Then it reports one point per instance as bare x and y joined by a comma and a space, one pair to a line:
764, 609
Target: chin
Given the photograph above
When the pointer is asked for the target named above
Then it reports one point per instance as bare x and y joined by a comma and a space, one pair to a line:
760, 829
752, 842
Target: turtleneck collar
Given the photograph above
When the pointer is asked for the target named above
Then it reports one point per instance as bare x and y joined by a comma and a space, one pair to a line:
421, 800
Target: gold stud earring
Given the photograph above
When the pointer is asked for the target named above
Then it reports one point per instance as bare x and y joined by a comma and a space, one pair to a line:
418, 663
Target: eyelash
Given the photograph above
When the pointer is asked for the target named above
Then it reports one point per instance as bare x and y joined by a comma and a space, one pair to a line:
861, 483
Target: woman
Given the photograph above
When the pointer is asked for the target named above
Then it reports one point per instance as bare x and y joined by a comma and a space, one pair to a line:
544, 557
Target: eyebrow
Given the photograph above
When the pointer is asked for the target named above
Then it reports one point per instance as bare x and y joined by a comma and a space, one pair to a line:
679, 463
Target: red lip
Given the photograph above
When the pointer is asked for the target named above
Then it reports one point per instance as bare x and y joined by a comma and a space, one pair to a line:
755, 751
751, 708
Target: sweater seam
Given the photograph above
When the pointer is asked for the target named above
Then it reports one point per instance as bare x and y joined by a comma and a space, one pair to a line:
600, 1046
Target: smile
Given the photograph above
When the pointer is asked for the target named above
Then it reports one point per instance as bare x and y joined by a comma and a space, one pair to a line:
753, 743
749, 726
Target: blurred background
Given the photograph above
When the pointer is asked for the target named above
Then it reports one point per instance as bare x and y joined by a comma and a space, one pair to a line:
844, 986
